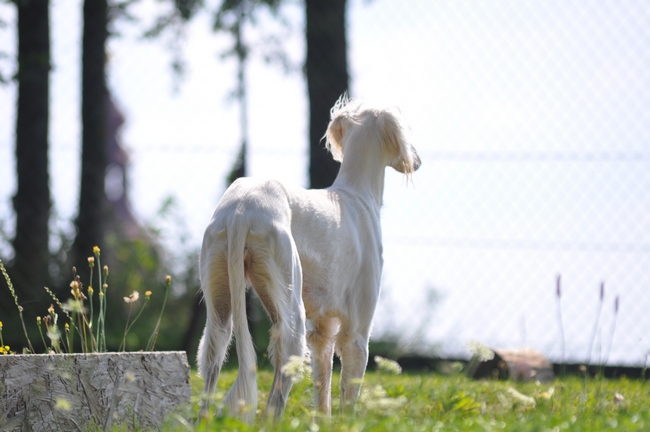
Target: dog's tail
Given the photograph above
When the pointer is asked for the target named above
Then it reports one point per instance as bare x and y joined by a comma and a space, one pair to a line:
242, 396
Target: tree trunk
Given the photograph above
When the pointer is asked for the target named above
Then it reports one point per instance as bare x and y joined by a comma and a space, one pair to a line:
32, 200
94, 99
327, 80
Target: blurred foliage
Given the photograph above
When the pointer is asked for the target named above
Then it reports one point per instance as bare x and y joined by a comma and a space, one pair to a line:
140, 264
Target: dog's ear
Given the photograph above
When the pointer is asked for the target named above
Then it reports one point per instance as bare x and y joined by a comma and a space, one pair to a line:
334, 136
401, 155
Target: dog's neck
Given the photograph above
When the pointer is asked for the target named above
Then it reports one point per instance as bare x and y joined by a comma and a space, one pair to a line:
363, 179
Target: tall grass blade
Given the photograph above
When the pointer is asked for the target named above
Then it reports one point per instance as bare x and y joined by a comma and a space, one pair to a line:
597, 323
558, 296
154, 336
20, 308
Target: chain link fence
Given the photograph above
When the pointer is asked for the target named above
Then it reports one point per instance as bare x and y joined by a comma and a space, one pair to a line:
532, 121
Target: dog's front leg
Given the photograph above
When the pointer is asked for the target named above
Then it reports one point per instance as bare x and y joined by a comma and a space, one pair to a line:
353, 350
321, 343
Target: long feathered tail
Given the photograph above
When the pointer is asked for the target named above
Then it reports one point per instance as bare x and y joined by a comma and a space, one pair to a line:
242, 396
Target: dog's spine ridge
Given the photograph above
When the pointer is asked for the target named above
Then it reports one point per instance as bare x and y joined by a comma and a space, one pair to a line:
244, 390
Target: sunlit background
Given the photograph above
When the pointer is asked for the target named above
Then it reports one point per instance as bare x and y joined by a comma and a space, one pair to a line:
532, 120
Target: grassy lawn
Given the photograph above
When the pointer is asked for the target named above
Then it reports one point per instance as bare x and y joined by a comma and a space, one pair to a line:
427, 401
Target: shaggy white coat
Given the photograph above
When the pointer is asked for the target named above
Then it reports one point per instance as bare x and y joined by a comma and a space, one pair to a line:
314, 258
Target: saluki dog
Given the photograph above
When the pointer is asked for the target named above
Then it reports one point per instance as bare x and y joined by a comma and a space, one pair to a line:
314, 258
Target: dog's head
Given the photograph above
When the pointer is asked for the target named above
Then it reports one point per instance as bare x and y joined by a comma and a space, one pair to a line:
385, 125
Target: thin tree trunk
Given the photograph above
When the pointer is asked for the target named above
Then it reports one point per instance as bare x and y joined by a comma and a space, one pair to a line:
92, 197
327, 79
240, 167
32, 199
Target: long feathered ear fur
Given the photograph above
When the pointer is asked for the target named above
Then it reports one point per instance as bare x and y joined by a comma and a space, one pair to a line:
340, 120
403, 156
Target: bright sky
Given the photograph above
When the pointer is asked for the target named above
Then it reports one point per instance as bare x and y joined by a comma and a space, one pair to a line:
532, 120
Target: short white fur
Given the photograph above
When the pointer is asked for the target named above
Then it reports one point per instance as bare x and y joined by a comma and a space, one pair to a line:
314, 258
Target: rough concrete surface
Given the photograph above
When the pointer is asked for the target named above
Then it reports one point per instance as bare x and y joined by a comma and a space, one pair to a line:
70, 392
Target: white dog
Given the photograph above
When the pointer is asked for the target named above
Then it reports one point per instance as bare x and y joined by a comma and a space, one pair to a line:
314, 258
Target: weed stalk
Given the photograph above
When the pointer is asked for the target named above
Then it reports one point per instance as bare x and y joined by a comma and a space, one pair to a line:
104, 307
91, 291
130, 300
154, 336
611, 336
20, 308
147, 297
71, 319
67, 337
596, 324
558, 296
40, 330
100, 335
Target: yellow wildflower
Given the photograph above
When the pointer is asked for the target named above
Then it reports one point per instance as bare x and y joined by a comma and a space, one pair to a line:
75, 289
63, 404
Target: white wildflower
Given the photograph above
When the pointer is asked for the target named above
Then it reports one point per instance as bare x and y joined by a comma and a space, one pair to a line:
519, 397
297, 368
375, 398
54, 334
74, 306
388, 365
132, 298
480, 351
129, 376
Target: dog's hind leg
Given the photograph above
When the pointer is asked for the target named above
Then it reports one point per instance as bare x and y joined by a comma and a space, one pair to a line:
276, 276
218, 329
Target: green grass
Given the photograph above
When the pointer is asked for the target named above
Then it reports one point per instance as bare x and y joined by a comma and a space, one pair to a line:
452, 403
